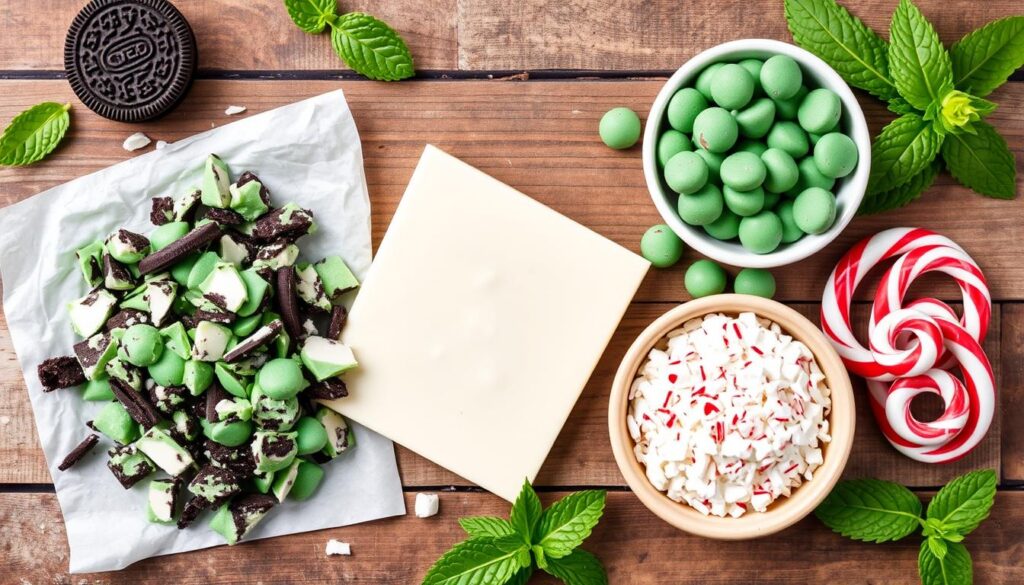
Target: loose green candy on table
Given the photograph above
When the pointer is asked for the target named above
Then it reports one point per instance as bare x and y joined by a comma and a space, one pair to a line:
754, 281
704, 278
619, 128
661, 246
686, 172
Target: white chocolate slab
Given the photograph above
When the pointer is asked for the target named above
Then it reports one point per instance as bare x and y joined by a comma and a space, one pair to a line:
480, 321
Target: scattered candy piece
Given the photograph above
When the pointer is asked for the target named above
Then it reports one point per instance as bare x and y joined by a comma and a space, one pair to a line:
335, 547
232, 110
136, 141
426, 505
619, 128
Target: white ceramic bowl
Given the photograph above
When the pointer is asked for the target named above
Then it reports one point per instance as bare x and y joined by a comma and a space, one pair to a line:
850, 188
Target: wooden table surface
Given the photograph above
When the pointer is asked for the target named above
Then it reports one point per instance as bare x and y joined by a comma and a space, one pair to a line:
516, 89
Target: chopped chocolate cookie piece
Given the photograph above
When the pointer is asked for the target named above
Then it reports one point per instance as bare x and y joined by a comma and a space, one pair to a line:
224, 217
94, 353
163, 500
239, 516
310, 289
215, 183
116, 276
273, 451
214, 484
177, 250
125, 318
238, 460
289, 222
78, 452
137, 406
193, 508
127, 247
214, 396
162, 211
89, 313
90, 261
129, 465
167, 399
60, 372
258, 339
287, 301
339, 316
329, 389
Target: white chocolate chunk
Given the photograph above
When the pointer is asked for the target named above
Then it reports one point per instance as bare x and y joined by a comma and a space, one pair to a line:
90, 313
232, 110
136, 141
225, 282
336, 547
165, 452
211, 341
426, 505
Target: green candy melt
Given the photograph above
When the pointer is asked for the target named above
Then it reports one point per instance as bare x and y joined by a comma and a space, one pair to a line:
197, 376
308, 477
814, 210
141, 345
325, 358
761, 233
311, 435
115, 422
661, 246
166, 234
704, 278
755, 281
683, 108
281, 378
686, 172
702, 207
336, 276
781, 77
619, 128
732, 86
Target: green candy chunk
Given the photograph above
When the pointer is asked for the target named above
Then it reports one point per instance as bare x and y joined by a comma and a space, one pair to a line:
227, 433
177, 340
216, 181
90, 262
686, 172
702, 207
271, 414
183, 205
98, 390
247, 199
90, 313
619, 128
127, 247
226, 283
725, 228
781, 172
324, 358
115, 422
743, 203
814, 210
136, 300
284, 480
771, 200
169, 370
129, 465
714, 161
161, 501
164, 451
285, 255
184, 424
238, 517
732, 86
781, 77
311, 435
755, 147
141, 345
210, 341
715, 130
761, 233
753, 67
756, 119
232, 250
234, 384
214, 484
703, 83
683, 108
835, 155
262, 482
661, 246
790, 231
202, 268
273, 451
127, 373
743, 171
197, 376
281, 378
310, 289
819, 111
787, 109
94, 353
671, 143
244, 326
336, 276
755, 281
704, 278
307, 479
255, 289
810, 176
790, 137
166, 234
116, 276
238, 409
340, 437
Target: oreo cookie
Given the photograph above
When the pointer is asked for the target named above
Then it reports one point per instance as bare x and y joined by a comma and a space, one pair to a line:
130, 60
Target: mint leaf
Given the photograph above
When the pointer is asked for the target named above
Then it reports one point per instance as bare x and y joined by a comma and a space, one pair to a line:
962, 504
870, 510
904, 148
985, 58
982, 161
522, 577
311, 15
918, 62
34, 133
477, 526
578, 568
479, 561
899, 106
371, 48
568, 522
900, 195
526, 512
937, 546
953, 569
844, 42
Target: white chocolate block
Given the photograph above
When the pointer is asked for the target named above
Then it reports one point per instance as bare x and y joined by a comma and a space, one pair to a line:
426, 505
479, 323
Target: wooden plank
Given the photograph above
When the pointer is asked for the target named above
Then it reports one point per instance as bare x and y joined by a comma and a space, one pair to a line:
1012, 391
541, 138
638, 35
580, 456
235, 34
634, 545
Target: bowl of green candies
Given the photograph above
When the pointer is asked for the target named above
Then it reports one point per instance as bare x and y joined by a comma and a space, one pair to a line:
756, 153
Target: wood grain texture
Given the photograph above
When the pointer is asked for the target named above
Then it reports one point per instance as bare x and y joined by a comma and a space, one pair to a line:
1011, 357
634, 545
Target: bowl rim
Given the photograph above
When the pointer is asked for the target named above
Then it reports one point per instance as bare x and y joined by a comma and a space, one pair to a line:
849, 195
784, 512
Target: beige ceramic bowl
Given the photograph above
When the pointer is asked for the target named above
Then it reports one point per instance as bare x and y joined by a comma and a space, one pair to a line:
783, 512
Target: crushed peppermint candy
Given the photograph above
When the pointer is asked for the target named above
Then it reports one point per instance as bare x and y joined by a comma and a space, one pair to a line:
730, 416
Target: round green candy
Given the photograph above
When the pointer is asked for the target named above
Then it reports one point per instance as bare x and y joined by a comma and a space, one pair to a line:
781, 172
810, 176
683, 108
771, 200
819, 111
703, 83
704, 278
715, 129
141, 345
661, 246
702, 207
814, 210
732, 86
229, 434
670, 143
755, 281
311, 435
281, 378
714, 161
686, 172
756, 120
790, 231
787, 109
761, 233
755, 147
781, 77
307, 479
835, 155
725, 228
753, 67
167, 233
619, 128
169, 370
743, 171
743, 203
790, 137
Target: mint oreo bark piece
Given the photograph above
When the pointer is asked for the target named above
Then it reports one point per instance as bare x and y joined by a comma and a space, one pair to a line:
237, 518
129, 465
225, 287
273, 451
162, 500
247, 198
288, 223
215, 485
90, 262
339, 435
310, 289
94, 353
164, 451
216, 180
326, 358
116, 275
210, 342
127, 247
90, 313
336, 276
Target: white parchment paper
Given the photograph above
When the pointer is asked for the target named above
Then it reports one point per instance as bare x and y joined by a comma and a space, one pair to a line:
307, 152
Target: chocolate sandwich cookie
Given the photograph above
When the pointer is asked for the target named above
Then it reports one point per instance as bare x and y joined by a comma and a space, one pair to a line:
258, 339
237, 460
339, 316
78, 452
130, 60
193, 508
177, 250
137, 406
288, 302
60, 372
329, 389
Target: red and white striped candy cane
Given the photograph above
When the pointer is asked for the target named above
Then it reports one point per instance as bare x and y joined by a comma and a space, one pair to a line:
911, 347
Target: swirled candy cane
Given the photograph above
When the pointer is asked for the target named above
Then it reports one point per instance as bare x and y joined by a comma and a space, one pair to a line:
911, 347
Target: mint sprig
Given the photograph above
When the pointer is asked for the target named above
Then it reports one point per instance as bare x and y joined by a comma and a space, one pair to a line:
872, 510
34, 133
506, 552
311, 15
937, 94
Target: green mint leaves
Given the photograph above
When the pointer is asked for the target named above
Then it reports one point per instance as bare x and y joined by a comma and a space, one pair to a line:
937, 94
367, 45
880, 511
34, 133
506, 552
